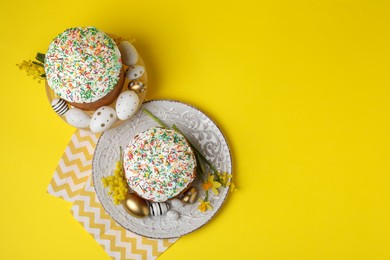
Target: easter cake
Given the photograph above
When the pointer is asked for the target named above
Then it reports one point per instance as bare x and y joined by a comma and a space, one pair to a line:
83, 66
159, 164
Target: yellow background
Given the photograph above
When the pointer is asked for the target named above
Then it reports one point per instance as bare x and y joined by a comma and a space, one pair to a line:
300, 89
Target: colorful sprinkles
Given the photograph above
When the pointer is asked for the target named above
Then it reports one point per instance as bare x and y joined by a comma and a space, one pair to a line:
159, 164
82, 65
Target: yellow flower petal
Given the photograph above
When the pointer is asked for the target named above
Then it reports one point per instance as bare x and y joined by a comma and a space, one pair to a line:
232, 187
207, 185
216, 184
204, 205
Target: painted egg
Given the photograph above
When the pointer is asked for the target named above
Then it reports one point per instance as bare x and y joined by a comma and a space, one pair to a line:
136, 86
59, 106
128, 52
102, 119
135, 72
126, 104
77, 118
136, 206
158, 208
173, 215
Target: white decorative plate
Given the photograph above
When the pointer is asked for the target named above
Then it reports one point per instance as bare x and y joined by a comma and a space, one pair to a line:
200, 130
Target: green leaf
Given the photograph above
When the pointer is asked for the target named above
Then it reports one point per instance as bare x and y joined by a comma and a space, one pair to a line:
40, 57
38, 63
155, 118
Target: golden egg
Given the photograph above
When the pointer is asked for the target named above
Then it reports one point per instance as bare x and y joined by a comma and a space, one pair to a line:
136, 206
185, 199
137, 86
190, 196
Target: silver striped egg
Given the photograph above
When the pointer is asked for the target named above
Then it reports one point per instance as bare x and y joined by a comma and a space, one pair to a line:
59, 106
158, 208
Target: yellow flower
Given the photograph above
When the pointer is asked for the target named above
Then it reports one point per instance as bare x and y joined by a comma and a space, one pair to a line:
224, 178
32, 69
204, 205
232, 187
211, 184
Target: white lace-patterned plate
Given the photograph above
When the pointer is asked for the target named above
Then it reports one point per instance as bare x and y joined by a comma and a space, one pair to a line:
200, 130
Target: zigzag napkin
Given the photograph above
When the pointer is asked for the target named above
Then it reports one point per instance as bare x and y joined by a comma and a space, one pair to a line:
71, 181
75, 166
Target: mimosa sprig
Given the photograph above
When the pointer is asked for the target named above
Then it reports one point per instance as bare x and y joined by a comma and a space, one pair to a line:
36, 69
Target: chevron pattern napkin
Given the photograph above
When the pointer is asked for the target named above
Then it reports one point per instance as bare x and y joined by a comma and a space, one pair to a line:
72, 182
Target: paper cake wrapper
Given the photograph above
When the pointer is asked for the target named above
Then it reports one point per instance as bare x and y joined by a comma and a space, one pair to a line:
72, 182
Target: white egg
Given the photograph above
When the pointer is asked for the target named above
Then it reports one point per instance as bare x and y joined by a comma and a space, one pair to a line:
128, 52
126, 104
135, 72
77, 118
173, 215
176, 203
103, 118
